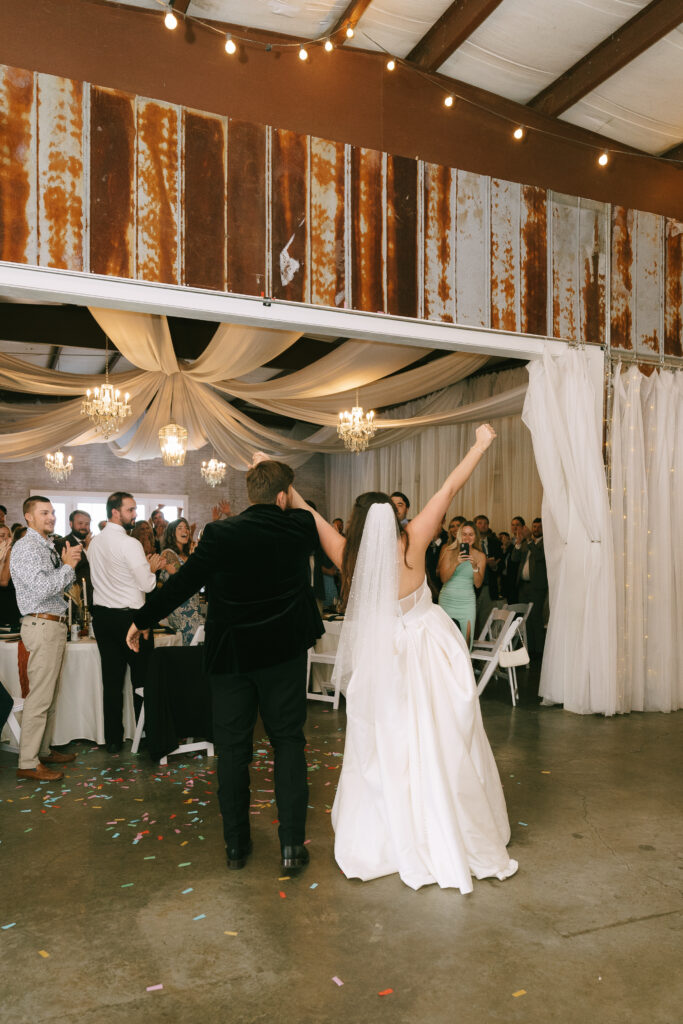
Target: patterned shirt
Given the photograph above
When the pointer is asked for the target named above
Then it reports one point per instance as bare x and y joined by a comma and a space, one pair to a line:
39, 575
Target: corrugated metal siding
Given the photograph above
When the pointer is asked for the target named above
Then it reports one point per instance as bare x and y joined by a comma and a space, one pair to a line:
94, 179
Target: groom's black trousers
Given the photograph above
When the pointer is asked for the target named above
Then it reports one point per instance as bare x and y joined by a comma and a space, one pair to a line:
279, 693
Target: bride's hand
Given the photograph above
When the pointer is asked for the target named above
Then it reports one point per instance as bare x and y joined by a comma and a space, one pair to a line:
486, 435
259, 457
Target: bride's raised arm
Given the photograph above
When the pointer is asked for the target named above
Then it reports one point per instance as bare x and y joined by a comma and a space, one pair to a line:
332, 542
422, 528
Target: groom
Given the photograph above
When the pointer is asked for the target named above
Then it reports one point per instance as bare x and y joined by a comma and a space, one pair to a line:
262, 618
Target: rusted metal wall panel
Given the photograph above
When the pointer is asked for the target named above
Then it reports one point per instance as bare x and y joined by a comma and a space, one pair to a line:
246, 208
534, 260
401, 258
505, 244
648, 282
593, 270
157, 198
565, 269
327, 223
439, 242
472, 249
18, 202
673, 289
203, 200
289, 182
367, 198
112, 183
622, 299
60, 172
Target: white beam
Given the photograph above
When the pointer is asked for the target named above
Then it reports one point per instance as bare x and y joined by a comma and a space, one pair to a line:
31, 284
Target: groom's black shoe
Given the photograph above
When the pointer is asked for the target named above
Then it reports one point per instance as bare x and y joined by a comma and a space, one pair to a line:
237, 855
294, 857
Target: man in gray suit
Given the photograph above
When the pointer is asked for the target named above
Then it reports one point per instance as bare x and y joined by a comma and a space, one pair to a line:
532, 580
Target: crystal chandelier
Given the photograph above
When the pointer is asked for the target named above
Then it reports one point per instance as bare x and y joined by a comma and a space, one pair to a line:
356, 428
57, 466
105, 408
173, 441
213, 472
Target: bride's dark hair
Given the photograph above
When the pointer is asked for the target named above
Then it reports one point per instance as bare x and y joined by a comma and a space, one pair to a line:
359, 514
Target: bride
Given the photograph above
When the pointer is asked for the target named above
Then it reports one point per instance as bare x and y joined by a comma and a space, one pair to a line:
419, 792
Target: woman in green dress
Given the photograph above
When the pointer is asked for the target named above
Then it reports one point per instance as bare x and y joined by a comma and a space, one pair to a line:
462, 574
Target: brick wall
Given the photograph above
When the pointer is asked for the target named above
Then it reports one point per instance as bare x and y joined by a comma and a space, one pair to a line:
97, 469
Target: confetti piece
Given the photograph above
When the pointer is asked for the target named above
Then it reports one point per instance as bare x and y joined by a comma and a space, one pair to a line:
185, 864
44, 954
386, 992
154, 988
314, 886
230, 933
521, 992
185, 892
149, 858
545, 773
338, 981
199, 917
283, 895
284, 878
126, 885
523, 823
185, 842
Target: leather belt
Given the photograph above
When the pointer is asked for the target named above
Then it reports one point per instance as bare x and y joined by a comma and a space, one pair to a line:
44, 615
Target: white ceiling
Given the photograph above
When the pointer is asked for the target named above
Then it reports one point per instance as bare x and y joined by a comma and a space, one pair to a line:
522, 47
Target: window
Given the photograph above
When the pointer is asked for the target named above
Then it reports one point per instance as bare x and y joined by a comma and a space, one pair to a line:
95, 504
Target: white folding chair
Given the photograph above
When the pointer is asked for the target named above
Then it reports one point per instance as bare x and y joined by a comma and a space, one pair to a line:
314, 658
491, 657
498, 621
198, 638
139, 725
524, 610
14, 727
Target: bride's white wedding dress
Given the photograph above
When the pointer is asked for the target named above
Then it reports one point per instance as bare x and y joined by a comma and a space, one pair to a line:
419, 792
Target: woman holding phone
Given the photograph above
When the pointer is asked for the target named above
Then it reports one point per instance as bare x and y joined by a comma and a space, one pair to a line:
461, 570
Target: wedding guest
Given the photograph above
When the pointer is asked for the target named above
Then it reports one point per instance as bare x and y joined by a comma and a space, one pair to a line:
176, 549
80, 533
3, 514
158, 524
9, 610
402, 505
432, 554
454, 525
18, 531
490, 545
462, 574
338, 524
222, 510
528, 557
143, 532
39, 576
507, 573
101, 525
121, 576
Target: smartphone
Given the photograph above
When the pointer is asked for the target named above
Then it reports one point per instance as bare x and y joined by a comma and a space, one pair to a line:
465, 549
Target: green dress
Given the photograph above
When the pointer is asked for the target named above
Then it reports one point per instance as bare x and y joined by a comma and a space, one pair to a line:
458, 598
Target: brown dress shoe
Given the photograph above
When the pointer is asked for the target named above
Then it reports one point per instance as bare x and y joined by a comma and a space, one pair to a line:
57, 757
40, 773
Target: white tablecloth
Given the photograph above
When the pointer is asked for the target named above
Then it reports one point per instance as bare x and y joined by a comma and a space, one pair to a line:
79, 713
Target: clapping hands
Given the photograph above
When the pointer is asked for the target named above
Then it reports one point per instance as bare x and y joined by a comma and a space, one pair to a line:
72, 555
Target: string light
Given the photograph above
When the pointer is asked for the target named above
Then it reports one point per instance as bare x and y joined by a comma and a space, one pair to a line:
391, 64
329, 45
349, 32
518, 133
170, 20
603, 159
303, 53
230, 44
449, 101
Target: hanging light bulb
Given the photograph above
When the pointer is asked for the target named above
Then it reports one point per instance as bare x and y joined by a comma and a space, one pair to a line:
173, 443
449, 101
170, 20
349, 32
230, 45
329, 45
518, 133
391, 64
303, 53
603, 159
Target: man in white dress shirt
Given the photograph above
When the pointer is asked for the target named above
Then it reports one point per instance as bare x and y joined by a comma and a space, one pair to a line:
121, 575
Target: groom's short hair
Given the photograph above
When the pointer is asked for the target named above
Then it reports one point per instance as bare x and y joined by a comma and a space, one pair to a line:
266, 480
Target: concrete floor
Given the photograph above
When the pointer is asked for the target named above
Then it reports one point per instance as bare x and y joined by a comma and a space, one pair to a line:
118, 874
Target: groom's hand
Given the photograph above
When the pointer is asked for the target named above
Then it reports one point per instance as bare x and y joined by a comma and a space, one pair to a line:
133, 637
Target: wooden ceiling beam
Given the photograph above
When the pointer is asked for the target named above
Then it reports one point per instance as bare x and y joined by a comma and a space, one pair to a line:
448, 33
348, 19
54, 357
675, 153
638, 34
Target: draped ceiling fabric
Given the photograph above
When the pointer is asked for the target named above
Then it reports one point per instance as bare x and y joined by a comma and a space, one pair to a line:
163, 388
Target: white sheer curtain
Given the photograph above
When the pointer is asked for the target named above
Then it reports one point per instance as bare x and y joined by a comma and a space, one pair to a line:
646, 441
506, 483
561, 411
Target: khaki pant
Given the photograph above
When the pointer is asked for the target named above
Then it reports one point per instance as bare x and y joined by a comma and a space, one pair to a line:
45, 642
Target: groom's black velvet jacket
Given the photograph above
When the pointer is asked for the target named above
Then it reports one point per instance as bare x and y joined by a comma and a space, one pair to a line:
256, 569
